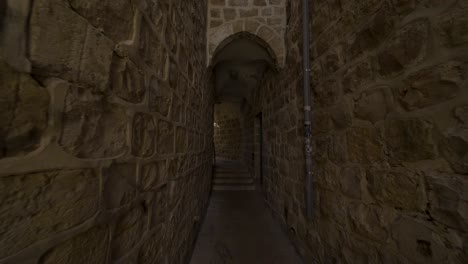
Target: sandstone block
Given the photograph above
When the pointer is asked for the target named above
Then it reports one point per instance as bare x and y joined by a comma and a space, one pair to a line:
154, 174
96, 60
119, 186
165, 137
455, 149
116, 20
24, 107
364, 145
448, 200
88, 247
432, 86
410, 139
92, 128
397, 187
350, 182
38, 205
143, 135
407, 47
181, 140
242, 3
128, 232
366, 221
358, 76
127, 81
56, 39
417, 242
374, 105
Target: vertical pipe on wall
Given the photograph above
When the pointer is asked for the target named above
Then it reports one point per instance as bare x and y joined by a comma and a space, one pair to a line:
307, 109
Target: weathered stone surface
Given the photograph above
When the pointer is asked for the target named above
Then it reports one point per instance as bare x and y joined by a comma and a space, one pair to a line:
432, 86
38, 205
119, 186
181, 139
374, 105
160, 99
407, 47
96, 59
410, 139
165, 137
398, 187
14, 18
127, 81
455, 149
154, 174
143, 136
56, 39
115, 20
453, 28
448, 200
150, 251
24, 106
128, 232
357, 77
364, 145
92, 128
366, 221
417, 242
88, 247
350, 182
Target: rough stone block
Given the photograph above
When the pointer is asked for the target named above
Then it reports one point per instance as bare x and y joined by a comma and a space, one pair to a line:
432, 86
154, 174
88, 247
24, 106
417, 242
96, 60
366, 221
128, 232
181, 140
38, 205
92, 128
364, 145
165, 137
358, 76
56, 39
407, 47
448, 200
374, 105
115, 20
455, 149
160, 97
453, 28
397, 187
143, 136
410, 139
127, 81
119, 186
350, 182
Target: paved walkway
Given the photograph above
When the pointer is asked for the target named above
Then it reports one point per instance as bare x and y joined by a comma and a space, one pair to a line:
239, 229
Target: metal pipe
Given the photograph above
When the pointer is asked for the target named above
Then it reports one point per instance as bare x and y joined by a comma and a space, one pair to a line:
307, 109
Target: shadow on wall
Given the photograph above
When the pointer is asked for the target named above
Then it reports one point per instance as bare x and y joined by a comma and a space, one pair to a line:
228, 130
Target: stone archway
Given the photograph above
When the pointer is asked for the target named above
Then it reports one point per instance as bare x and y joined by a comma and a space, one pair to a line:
264, 20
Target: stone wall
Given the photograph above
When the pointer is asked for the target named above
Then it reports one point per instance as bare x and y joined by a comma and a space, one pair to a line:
389, 132
228, 131
263, 18
105, 130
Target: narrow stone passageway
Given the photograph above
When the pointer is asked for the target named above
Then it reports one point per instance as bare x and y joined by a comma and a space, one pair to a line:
340, 130
239, 228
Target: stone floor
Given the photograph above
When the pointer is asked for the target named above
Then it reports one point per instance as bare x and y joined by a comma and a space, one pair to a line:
239, 228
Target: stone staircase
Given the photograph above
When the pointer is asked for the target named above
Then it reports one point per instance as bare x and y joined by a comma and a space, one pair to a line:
232, 176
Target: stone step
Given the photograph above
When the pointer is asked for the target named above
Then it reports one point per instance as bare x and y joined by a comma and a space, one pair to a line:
222, 187
232, 180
